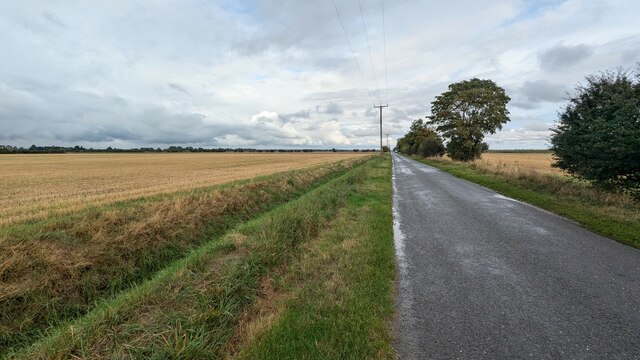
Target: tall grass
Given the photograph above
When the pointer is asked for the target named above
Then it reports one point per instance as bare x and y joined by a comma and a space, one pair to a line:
553, 181
190, 309
56, 269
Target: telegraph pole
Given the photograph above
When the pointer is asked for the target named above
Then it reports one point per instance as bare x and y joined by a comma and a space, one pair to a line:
380, 107
388, 141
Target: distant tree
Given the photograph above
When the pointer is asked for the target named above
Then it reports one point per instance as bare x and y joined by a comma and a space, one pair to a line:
385, 148
421, 140
431, 146
466, 112
485, 147
597, 137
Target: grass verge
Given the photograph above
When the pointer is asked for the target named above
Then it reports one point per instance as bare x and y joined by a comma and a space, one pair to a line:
193, 308
335, 299
613, 215
56, 269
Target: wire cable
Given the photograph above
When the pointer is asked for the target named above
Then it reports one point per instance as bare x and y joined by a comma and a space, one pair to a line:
384, 42
353, 52
375, 78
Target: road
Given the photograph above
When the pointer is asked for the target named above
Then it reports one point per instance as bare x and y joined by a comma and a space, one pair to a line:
483, 276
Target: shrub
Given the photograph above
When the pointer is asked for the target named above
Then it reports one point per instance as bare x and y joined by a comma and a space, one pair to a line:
598, 134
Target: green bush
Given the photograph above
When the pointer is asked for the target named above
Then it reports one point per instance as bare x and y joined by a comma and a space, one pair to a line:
421, 140
598, 134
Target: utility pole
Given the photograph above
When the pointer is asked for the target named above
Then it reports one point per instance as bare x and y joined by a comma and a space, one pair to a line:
388, 141
380, 107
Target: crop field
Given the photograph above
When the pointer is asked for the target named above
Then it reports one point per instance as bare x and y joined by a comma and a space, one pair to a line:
59, 268
539, 161
34, 186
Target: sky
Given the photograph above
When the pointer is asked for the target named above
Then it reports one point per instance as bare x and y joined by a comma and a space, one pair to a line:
280, 74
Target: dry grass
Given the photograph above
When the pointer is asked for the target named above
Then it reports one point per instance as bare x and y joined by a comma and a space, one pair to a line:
536, 168
540, 162
34, 186
56, 268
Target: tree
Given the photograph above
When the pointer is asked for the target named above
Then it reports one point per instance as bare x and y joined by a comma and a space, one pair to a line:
421, 140
431, 145
598, 134
465, 113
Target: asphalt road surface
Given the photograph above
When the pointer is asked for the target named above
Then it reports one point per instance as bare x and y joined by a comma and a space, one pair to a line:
483, 276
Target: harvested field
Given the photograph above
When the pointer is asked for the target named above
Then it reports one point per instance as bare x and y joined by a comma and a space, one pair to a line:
34, 186
539, 161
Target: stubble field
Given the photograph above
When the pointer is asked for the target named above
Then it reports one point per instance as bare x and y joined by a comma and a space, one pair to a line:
34, 186
537, 161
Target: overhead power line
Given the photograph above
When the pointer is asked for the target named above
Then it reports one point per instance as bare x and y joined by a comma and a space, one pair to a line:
384, 42
352, 52
380, 106
366, 35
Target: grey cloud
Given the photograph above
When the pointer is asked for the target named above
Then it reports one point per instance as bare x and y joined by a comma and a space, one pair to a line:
292, 24
351, 95
561, 56
80, 116
331, 108
54, 19
369, 130
292, 117
630, 55
403, 113
526, 105
540, 125
543, 90
416, 110
178, 88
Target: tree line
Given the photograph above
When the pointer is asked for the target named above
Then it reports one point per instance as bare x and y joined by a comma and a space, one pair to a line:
34, 149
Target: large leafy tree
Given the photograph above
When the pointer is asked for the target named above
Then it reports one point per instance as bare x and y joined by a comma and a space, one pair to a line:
466, 112
598, 134
421, 140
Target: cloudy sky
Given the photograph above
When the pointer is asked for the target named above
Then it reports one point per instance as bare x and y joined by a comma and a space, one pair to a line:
270, 73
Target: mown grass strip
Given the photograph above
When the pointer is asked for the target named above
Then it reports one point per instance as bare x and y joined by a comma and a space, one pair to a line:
190, 309
335, 300
617, 221
56, 269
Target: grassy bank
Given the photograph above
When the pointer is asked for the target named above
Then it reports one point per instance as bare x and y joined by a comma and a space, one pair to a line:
204, 305
334, 300
55, 269
614, 215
